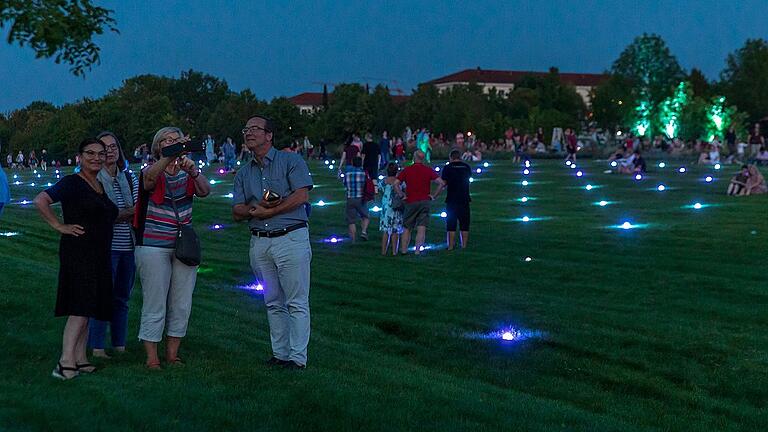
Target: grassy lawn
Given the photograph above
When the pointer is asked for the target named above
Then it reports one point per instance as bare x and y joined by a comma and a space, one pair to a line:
659, 327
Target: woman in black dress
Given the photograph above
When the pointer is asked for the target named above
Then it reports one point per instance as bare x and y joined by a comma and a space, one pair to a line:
85, 272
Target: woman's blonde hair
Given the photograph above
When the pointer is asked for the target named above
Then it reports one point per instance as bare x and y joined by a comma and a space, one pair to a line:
159, 136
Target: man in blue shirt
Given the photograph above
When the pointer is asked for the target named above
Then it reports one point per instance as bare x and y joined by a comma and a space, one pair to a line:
357, 207
271, 192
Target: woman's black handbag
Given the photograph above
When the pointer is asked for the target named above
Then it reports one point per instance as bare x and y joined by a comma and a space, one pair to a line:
187, 242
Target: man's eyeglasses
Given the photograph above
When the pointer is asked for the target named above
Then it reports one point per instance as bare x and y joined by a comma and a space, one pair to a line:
91, 153
253, 129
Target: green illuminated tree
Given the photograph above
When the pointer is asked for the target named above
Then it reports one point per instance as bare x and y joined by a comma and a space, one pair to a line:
58, 29
652, 73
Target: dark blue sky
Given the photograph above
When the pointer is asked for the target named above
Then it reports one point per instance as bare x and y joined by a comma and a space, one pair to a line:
281, 48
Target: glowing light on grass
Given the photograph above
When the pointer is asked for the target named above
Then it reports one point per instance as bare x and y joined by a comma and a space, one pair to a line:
213, 182
681, 170
330, 167
628, 225
579, 173
437, 169
326, 162
333, 240
321, 203
216, 227
708, 179
17, 183
257, 287
24, 202
342, 175
568, 162
486, 165
375, 209
524, 199
527, 163
614, 164
381, 177
443, 214
588, 187
662, 165
717, 166
229, 195
661, 188
526, 171
602, 203
506, 335
638, 176
48, 184
221, 171
32, 184
697, 206
471, 179
479, 170
525, 219
528, 259
524, 183
573, 166
9, 234
333, 161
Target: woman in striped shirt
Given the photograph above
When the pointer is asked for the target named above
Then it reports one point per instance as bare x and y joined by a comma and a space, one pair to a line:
121, 186
166, 188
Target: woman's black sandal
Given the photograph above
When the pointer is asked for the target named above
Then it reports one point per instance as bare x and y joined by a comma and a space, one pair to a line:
85, 365
58, 372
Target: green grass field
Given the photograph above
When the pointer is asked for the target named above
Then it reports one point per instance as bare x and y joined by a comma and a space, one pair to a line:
661, 327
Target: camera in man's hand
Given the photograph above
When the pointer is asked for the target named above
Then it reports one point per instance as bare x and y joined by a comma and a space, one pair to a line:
271, 196
180, 148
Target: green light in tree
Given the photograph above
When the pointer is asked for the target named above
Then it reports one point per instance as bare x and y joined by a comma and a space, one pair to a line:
719, 116
670, 110
643, 117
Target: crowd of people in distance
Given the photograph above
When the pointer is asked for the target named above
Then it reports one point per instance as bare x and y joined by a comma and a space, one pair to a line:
406, 198
32, 161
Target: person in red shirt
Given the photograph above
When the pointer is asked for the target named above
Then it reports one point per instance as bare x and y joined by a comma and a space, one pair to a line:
418, 180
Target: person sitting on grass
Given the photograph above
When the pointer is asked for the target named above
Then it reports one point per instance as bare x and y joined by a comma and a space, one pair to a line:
762, 157
356, 208
639, 163
710, 155
739, 182
627, 165
749, 181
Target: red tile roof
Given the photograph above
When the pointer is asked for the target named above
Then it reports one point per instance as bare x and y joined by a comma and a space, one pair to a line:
511, 77
316, 99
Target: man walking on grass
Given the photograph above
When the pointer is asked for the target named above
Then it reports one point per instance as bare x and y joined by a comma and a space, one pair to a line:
418, 180
357, 208
456, 177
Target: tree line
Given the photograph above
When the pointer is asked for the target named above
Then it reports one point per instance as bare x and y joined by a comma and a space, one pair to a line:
203, 104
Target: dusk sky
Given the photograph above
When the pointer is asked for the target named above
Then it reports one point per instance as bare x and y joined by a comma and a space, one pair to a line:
283, 48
